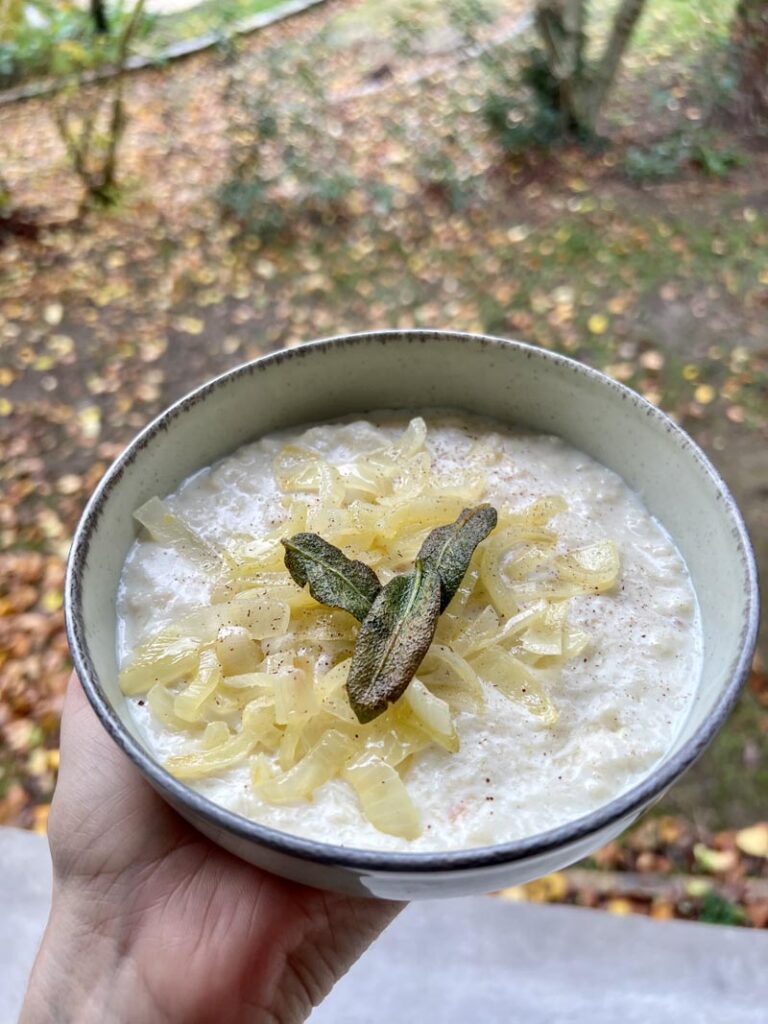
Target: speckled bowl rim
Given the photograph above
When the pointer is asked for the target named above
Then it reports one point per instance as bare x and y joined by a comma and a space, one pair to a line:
626, 804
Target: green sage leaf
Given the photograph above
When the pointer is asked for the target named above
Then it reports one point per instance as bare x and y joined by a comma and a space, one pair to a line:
334, 579
392, 641
449, 549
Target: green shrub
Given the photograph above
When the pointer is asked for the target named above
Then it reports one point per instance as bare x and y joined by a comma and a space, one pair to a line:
716, 909
672, 155
60, 39
290, 153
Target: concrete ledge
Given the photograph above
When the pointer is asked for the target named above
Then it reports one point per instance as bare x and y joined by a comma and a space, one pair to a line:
481, 961
25, 895
477, 961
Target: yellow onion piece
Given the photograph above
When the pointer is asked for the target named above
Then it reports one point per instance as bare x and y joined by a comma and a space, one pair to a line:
441, 657
432, 714
390, 457
236, 650
478, 633
470, 487
261, 770
189, 702
590, 570
366, 481
211, 762
250, 681
251, 556
294, 698
164, 658
282, 589
524, 619
525, 559
270, 739
575, 642
290, 462
160, 702
279, 663
324, 625
331, 692
259, 715
413, 439
457, 696
221, 706
394, 737
169, 530
487, 630
595, 568
322, 762
215, 734
262, 616
289, 749
492, 577
544, 635
422, 513
511, 553
535, 515
411, 481
466, 588
302, 469
516, 681
440, 662
341, 531
383, 797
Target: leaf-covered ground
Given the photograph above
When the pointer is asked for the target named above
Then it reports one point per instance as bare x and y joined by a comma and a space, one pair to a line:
106, 318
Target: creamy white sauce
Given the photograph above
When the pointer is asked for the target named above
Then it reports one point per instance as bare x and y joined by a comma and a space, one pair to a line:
620, 704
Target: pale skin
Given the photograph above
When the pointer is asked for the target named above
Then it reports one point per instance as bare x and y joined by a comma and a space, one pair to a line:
151, 922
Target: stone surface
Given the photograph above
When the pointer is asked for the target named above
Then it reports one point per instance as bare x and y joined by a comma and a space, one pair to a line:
481, 961
478, 961
25, 894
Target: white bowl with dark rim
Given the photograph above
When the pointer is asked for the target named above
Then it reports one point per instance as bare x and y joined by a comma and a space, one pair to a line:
514, 383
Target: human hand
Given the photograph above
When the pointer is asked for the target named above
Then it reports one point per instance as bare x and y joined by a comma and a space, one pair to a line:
151, 922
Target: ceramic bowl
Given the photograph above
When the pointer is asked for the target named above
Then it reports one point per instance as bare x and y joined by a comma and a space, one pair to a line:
514, 383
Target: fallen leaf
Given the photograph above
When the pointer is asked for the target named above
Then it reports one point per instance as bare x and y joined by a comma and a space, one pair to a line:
597, 323
754, 840
53, 313
715, 861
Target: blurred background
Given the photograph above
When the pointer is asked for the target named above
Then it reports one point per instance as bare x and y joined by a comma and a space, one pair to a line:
184, 186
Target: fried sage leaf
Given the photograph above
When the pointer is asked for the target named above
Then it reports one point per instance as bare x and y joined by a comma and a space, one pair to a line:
392, 641
448, 549
334, 579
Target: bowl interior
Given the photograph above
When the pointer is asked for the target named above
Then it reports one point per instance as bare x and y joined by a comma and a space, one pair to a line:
515, 384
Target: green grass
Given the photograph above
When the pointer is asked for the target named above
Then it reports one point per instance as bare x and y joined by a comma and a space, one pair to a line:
725, 789
36, 52
668, 25
209, 16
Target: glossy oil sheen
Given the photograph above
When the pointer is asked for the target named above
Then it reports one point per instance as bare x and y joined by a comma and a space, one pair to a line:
513, 383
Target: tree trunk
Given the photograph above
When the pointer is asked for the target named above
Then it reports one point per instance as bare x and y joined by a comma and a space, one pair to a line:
99, 16
581, 89
749, 38
621, 32
560, 24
